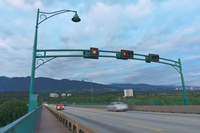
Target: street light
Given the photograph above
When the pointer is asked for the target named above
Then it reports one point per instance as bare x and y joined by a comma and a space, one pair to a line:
91, 88
76, 18
42, 94
42, 97
43, 16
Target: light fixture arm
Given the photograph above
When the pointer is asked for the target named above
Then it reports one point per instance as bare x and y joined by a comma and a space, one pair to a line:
46, 15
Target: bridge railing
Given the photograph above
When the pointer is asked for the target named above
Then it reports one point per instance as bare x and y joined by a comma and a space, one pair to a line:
25, 124
174, 101
95, 103
72, 125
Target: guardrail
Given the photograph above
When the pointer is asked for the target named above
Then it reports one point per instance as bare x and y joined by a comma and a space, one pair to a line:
72, 125
25, 124
156, 102
189, 109
174, 101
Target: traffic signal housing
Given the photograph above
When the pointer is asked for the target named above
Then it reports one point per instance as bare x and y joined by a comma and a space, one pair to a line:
92, 54
154, 57
125, 54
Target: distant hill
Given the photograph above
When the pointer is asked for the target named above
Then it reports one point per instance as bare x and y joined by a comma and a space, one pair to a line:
146, 86
141, 86
66, 85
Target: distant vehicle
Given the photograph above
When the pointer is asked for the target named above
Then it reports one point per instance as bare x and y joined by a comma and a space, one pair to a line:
45, 104
60, 107
64, 104
117, 106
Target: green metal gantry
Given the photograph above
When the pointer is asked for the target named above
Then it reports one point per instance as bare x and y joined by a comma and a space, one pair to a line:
46, 55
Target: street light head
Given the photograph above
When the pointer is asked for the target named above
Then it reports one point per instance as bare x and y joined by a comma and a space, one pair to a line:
76, 18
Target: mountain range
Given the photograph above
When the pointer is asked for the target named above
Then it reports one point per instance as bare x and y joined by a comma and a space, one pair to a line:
66, 85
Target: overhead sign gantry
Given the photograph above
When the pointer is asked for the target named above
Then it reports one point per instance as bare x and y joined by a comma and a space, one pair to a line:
46, 55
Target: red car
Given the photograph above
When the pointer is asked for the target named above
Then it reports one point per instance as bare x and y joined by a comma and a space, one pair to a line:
60, 107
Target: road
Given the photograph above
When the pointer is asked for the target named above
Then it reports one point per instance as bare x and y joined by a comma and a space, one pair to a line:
104, 121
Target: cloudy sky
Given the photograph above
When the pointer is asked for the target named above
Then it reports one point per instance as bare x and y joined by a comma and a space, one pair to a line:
170, 28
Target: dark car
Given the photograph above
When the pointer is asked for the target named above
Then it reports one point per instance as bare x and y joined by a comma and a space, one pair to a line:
64, 104
60, 107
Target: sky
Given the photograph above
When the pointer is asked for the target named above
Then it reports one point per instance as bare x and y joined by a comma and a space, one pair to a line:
170, 28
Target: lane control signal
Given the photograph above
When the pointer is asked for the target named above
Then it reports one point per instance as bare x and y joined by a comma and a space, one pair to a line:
92, 54
125, 54
154, 57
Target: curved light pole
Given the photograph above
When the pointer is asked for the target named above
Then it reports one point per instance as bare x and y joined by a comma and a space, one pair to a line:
42, 96
83, 79
43, 16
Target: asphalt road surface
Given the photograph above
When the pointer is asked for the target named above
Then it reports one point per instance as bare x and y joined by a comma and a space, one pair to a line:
103, 121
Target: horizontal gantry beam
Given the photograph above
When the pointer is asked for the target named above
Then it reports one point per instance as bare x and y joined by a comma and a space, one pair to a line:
54, 53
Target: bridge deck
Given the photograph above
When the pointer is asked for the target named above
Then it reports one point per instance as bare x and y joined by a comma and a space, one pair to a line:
48, 123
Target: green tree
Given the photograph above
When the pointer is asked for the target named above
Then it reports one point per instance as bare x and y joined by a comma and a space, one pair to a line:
12, 110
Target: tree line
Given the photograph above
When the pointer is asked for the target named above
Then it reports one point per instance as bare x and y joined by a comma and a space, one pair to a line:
139, 98
14, 105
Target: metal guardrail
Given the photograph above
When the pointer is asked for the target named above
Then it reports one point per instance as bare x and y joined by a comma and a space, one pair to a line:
95, 103
72, 125
174, 101
25, 124
156, 102
189, 109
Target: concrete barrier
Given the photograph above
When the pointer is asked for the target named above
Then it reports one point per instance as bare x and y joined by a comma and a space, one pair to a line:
186, 109
89, 106
191, 109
